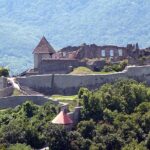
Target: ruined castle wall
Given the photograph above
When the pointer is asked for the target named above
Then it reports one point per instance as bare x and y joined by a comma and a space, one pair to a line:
41, 83
6, 91
3, 82
94, 51
60, 66
13, 101
141, 73
70, 84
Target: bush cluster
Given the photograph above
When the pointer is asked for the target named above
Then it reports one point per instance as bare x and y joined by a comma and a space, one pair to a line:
115, 67
120, 114
4, 72
114, 117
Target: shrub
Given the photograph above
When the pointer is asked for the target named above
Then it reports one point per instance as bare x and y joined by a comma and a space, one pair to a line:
115, 67
19, 147
4, 72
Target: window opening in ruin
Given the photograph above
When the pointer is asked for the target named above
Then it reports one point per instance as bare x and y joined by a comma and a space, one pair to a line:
111, 53
103, 53
120, 52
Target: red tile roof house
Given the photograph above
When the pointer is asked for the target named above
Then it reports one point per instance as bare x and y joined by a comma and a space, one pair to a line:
63, 119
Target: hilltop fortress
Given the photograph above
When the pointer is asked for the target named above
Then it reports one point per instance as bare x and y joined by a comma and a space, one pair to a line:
48, 61
51, 68
50, 73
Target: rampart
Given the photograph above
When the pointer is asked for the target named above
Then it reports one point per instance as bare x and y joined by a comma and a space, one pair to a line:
6, 91
13, 101
3, 82
60, 65
70, 84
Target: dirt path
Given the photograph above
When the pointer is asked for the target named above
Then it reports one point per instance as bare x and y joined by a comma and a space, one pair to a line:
14, 84
23, 89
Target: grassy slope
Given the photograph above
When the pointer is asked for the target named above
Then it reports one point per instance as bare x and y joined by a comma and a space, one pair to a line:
84, 70
71, 100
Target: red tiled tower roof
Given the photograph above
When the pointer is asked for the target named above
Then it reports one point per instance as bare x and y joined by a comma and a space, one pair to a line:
44, 47
62, 118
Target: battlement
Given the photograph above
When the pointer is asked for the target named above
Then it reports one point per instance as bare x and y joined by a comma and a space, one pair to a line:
68, 84
47, 60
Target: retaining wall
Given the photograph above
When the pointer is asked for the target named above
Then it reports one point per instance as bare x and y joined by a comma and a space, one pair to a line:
70, 84
3, 82
60, 66
13, 101
6, 91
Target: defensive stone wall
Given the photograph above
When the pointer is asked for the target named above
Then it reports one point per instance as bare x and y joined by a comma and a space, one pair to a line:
6, 91
39, 83
70, 84
60, 66
75, 115
13, 101
3, 82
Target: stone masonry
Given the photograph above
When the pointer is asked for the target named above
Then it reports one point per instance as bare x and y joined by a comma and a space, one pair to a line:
67, 84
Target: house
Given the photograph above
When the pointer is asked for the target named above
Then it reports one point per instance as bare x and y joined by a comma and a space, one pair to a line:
64, 120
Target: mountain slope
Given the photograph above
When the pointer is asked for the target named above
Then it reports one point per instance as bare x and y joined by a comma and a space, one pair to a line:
23, 23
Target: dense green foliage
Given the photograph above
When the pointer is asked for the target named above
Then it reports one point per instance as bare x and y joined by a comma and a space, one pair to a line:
115, 67
114, 117
19, 147
121, 112
4, 72
26, 124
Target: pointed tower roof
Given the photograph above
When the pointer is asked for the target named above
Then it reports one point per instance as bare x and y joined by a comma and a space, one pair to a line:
44, 47
62, 118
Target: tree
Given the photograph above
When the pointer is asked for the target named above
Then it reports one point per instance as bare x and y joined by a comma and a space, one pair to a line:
106, 134
13, 132
134, 145
29, 109
143, 107
77, 142
148, 141
4, 72
86, 128
56, 137
19, 147
91, 105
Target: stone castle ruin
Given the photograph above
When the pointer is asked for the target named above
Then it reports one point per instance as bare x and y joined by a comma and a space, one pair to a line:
49, 75
48, 61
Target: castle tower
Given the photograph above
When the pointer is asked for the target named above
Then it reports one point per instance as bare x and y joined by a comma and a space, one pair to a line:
43, 51
64, 120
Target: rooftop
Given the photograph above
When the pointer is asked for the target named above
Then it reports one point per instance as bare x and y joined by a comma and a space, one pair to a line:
44, 47
62, 118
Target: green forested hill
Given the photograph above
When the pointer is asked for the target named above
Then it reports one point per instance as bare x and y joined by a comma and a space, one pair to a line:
114, 117
22, 23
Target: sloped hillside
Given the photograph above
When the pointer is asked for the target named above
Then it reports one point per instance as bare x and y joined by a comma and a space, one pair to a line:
23, 22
